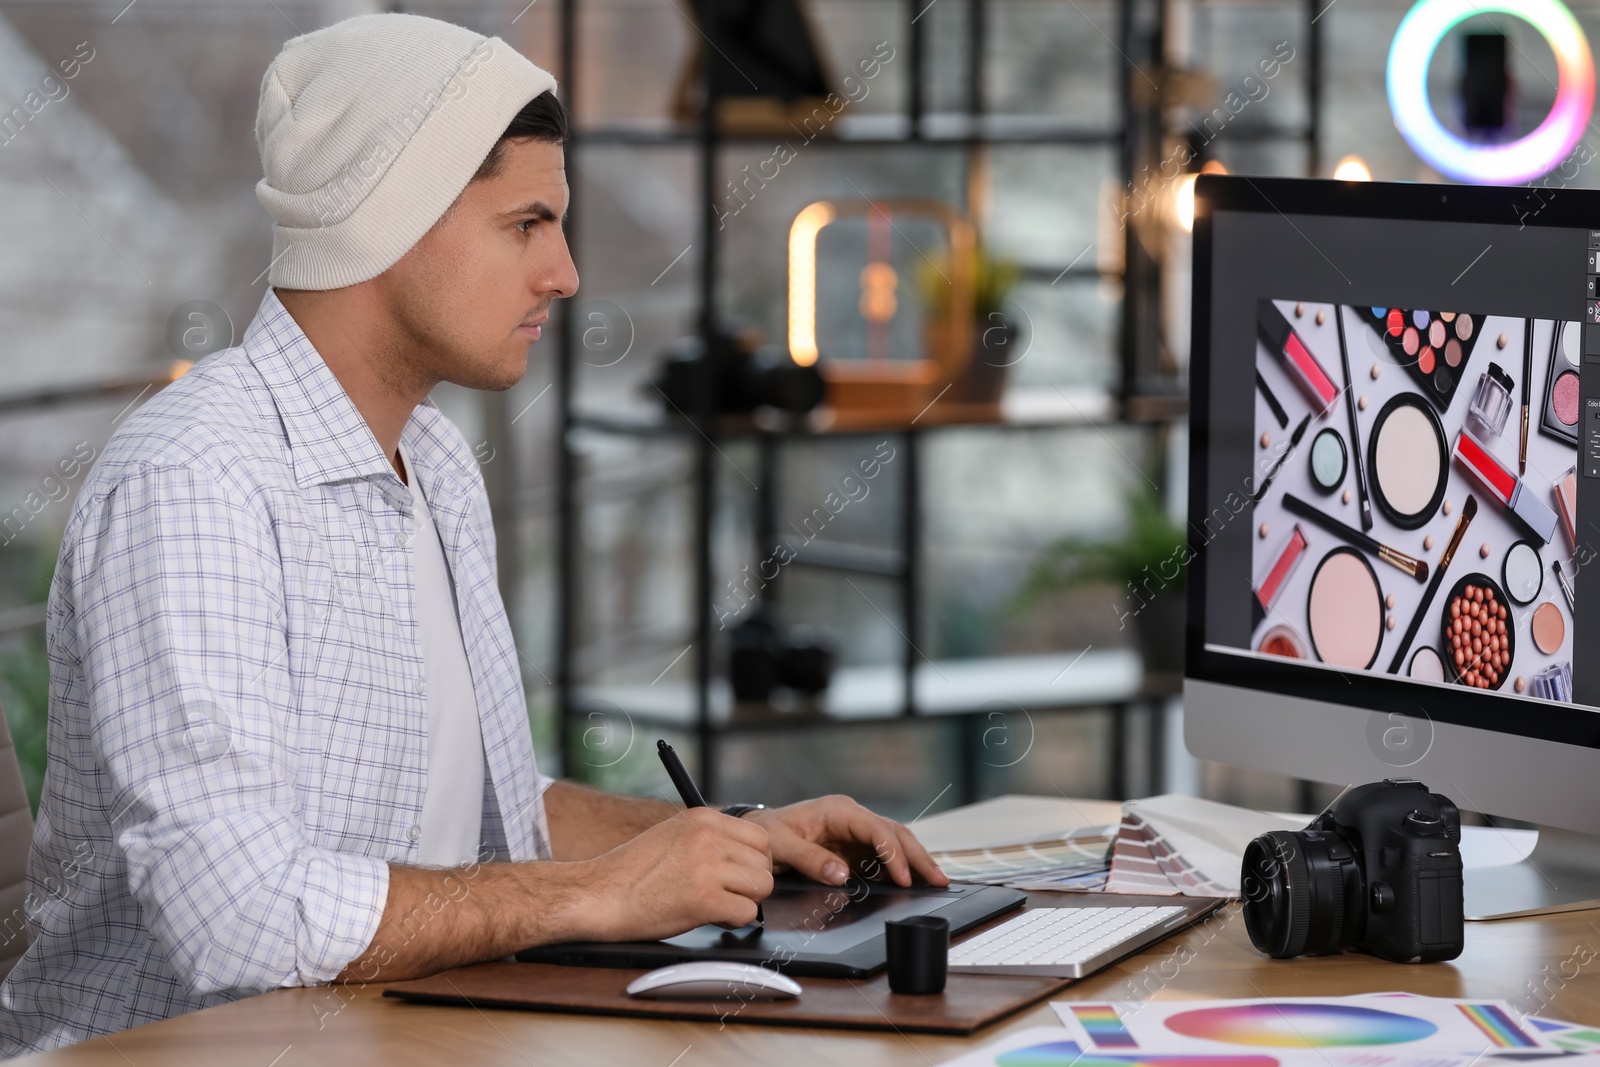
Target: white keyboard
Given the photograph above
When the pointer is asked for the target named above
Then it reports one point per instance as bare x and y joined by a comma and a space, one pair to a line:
1063, 942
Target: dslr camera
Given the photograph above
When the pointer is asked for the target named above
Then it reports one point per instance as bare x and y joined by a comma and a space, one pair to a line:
1379, 872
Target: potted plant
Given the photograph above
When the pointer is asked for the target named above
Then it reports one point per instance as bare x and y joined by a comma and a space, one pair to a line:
1146, 567
994, 344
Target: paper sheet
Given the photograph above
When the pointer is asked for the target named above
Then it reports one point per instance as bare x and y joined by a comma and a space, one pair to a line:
1570, 1037
1049, 1046
1373, 1023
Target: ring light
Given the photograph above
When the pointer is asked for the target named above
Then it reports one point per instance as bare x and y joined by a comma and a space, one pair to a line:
1420, 32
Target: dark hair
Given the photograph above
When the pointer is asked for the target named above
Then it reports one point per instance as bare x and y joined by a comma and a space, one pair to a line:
544, 118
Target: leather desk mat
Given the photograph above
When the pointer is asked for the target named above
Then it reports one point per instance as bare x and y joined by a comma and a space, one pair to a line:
969, 1001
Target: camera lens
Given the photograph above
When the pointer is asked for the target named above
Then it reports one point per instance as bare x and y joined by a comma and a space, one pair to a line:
1302, 893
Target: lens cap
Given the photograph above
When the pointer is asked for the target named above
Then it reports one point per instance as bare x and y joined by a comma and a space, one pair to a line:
919, 954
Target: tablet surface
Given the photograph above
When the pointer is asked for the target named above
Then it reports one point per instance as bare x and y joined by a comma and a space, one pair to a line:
811, 929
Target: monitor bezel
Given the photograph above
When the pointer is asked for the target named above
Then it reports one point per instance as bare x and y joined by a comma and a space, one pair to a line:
1521, 205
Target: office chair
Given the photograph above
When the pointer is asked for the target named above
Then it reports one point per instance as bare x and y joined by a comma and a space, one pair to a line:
16, 834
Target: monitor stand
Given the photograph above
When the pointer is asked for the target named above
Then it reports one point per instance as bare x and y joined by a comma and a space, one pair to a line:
1562, 873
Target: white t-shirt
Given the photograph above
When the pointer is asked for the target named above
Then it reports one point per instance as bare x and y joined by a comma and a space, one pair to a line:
452, 806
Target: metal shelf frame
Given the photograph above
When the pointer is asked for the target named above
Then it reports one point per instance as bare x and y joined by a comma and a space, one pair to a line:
1139, 143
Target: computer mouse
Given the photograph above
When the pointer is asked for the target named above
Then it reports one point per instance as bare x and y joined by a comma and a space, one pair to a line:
714, 980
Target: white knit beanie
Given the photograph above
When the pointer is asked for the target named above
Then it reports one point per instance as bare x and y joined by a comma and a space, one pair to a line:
369, 129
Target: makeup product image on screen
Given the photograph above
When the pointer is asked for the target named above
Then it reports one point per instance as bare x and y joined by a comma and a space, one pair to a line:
1415, 568
1328, 460
1426, 666
1433, 346
1549, 629
1469, 510
1566, 586
1363, 498
1344, 611
1272, 401
1406, 461
1522, 573
1285, 641
1480, 635
1294, 443
1567, 502
1503, 484
1491, 401
1553, 683
1282, 341
1270, 587
1559, 416
1527, 386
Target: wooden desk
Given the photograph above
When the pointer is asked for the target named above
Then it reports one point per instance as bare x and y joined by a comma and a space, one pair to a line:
1536, 964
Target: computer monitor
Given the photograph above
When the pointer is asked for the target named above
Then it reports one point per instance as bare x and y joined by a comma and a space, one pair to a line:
1393, 504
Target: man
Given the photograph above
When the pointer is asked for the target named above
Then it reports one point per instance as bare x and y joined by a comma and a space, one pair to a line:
288, 740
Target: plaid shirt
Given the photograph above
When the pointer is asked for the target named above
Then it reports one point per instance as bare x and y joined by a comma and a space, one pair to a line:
238, 729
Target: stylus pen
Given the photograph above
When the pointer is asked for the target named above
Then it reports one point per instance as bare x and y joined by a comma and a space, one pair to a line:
1527, 375
1468, 510
689, 792
1365, 504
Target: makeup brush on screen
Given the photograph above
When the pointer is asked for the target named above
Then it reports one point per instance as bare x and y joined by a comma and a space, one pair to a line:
1468, 510
1527, 375
1566, 586
1355, 428
1416, 568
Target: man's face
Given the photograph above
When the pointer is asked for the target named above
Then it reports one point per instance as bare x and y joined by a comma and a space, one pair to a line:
475, 291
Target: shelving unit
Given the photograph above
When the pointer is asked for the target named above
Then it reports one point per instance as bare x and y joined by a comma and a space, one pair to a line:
1093, 680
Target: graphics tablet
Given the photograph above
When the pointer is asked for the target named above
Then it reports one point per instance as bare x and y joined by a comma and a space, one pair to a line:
812, 930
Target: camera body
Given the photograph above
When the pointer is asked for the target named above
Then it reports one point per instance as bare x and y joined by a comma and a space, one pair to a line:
743, 375
1379, 872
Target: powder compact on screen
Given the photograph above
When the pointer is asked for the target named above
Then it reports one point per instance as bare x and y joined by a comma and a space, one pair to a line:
1407, 461
1559, 416
1549, 629
1328, 459
1345, 610
1426, 666
1522, 572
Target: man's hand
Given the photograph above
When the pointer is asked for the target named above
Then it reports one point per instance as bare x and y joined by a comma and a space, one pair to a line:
697, 867
823, 838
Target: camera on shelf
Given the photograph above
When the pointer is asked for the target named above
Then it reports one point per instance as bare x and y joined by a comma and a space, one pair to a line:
1379, 872
761, 659
744, 374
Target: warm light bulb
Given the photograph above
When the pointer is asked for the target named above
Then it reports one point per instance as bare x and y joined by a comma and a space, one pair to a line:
1183, 202
803, 280
1213, 166
1352, 169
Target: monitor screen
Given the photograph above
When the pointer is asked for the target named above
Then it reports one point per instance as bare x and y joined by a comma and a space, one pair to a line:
1396, 447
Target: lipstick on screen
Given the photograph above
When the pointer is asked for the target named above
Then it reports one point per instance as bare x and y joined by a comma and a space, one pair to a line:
1281, 338
1271, 585
1503, 484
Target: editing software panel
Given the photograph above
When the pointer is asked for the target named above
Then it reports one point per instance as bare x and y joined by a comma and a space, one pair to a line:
1423, 487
